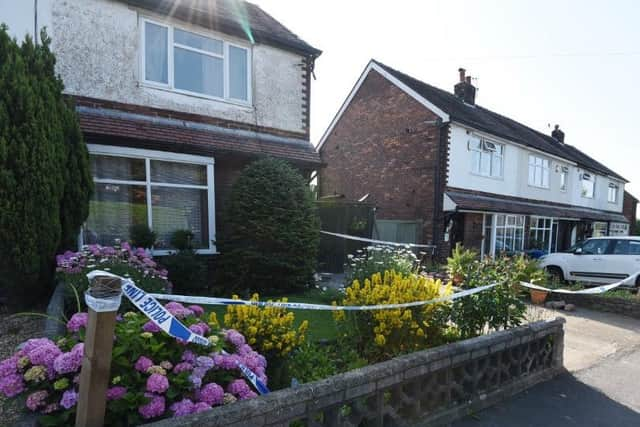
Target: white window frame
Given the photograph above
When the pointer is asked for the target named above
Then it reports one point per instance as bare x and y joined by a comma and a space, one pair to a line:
148, 155
564, 178
540, 170
592, 180
612, 193
541, 231
495, 226
599, 229
487, 148
171, 45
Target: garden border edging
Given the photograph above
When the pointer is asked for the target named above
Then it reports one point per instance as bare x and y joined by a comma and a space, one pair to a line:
623, 306
461, 377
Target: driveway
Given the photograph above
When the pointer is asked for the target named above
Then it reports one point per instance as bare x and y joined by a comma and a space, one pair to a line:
602, 357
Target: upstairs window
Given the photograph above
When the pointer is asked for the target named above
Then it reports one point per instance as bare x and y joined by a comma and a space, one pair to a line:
564, 176
588, 185
538, 171
486, 157
192, 63
612, 195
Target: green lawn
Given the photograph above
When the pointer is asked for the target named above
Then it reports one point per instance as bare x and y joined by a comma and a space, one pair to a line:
321, 323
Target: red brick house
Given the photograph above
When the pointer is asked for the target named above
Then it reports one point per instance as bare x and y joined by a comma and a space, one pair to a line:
174, 99
630, 211
441, 169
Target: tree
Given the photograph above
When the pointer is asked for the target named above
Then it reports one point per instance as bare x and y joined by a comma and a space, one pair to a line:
270, 232
45, 182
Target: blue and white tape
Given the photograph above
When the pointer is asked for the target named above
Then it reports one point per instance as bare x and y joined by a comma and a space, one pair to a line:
305, 306
159, 315
589, 291
377, 242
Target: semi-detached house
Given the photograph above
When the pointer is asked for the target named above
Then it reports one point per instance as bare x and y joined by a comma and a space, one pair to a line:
441, 169
174, 99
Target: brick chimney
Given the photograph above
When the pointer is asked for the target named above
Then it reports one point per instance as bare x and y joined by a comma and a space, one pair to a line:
464, 89
557, 134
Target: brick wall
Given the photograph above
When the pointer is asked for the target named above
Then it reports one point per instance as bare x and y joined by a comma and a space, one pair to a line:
384, 146
629, 207
472, 231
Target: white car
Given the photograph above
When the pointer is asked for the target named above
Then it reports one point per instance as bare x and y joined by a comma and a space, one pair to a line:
597, 260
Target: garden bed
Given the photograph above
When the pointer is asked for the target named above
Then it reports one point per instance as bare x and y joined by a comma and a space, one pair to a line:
433, 386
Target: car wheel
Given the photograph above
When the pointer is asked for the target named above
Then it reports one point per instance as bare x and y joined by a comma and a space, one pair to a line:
556, 274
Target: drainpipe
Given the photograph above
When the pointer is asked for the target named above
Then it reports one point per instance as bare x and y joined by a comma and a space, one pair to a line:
437, 201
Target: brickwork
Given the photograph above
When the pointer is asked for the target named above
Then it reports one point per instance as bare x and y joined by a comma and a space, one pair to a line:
473, 231
629, 210
388, 145
625, 306
431, 387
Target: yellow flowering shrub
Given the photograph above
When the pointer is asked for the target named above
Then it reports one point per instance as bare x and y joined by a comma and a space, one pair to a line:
382, 334
269, 330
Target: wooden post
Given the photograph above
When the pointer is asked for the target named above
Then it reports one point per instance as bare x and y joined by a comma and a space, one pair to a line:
96, 367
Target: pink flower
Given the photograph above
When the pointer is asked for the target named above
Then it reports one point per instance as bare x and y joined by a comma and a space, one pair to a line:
240, 389
9, 366
198, 311
178, 310
77, 321
36, 399
188, 356
116, 393
35, 343
182, 367
69, 399
150, 326
143, 364
69, 362
201, 407
235, 338
157, 383
212, 394
184, 407
11, 385
154, 408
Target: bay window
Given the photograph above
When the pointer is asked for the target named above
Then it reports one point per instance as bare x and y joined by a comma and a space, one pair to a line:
503, 233
538, 171
193, 63
543, 234
165, 191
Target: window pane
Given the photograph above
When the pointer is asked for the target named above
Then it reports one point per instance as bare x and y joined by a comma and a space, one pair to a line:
545, 178
178, 173
197, 72
155, 53
180, 209
500, 219
197, 41
496, 167
475, 161
532, 175
113, 209
238, 70
485, 163
121, 168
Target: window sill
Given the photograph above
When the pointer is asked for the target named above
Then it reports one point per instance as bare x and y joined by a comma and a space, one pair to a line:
540, 187
495, 178
246, 105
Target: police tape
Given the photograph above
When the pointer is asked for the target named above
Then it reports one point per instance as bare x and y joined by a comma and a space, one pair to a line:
378, 242
589, 291
325, 307
159, 315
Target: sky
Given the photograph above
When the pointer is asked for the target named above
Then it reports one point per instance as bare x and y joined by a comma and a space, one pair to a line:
541, 62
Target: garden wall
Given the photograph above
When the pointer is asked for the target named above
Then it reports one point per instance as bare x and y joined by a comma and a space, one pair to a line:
429, 387
625, 306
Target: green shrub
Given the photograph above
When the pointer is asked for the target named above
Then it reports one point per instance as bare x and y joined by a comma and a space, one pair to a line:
311, 362
459, 263
378, 259
270, 239
141, 236
182, 239
45, 182
187, 271
501, 307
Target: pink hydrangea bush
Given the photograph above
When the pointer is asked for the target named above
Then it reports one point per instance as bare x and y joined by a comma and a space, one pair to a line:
123, 260
153, 376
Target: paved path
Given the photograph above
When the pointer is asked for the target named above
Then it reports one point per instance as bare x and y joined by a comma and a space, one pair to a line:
601, 387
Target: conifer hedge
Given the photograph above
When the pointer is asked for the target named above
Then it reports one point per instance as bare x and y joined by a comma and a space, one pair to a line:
270, 232
45, 182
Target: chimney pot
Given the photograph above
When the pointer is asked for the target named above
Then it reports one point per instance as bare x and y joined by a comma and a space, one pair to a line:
462, 72
557, 134
468, 79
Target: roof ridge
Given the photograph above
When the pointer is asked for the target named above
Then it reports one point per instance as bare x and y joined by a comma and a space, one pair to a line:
472, 115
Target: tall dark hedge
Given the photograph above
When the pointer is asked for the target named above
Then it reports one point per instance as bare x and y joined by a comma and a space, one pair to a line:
270, 232
45, 183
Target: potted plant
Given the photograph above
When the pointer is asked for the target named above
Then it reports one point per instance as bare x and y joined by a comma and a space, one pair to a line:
459, 262
528, 270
